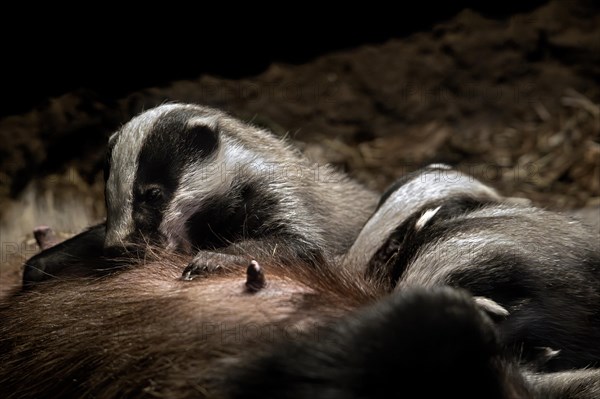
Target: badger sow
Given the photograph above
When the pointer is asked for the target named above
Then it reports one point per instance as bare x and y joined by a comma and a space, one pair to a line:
325, 334
198, 181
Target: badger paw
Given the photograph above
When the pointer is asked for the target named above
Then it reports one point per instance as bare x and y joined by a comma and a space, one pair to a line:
208, 263
195, 269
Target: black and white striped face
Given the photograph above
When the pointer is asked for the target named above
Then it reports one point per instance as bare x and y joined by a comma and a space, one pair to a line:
410, 194
154, 175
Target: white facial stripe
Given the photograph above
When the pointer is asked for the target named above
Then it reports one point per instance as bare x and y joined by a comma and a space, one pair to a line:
124, 165
439, 166
426, 217
211, 121
202, 180
427, 187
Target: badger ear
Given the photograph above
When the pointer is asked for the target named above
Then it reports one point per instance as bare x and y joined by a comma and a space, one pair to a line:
492, 308
202, 136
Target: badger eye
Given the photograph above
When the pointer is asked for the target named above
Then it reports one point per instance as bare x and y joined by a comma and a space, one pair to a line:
152, 194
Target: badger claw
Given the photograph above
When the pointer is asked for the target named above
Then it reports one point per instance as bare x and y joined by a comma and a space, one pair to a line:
206, 263
195, 269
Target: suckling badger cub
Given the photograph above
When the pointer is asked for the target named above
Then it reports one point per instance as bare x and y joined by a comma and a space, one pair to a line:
196, 180
538, 271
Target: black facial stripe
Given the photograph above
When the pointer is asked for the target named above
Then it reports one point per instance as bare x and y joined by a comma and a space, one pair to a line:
167, 150
405, 241
512, 281
171, 145
244, 213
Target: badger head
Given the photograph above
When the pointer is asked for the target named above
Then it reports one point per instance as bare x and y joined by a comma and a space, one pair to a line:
426, 191
156, 176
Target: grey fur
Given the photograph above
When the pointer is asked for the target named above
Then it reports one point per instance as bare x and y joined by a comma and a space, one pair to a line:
322, 210
118, 190
542, 267
576, 384
436, 182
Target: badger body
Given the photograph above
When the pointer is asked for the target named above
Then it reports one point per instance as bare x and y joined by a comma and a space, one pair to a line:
542, 267
192, 178
197, 181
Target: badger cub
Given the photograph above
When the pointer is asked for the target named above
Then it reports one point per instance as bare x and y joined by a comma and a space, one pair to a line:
537, 271
196, 180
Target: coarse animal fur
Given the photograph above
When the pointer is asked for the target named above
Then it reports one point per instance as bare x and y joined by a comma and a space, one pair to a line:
145, 332
193, 178
442, 227
417, 343
577, 384
277, 331
197, 181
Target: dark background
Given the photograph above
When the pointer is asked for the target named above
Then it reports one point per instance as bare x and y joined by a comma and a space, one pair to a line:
112, 60
506, 91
